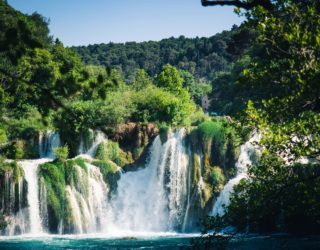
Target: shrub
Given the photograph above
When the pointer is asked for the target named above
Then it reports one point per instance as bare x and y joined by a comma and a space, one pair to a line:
110, 150
61, 152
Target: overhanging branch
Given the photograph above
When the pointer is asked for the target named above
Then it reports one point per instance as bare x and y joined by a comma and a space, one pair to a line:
240, 4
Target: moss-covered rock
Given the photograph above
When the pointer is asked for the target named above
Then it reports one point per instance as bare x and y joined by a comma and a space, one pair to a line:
21, 149
216, 178
13, 192
110, 172
164, 131
52, 176
110, 150
220, 144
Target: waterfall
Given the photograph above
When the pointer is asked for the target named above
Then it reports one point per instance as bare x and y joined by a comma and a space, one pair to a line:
99, 137
154, 198
47, 142
31, 219
247, 151
87, 200
12, 203
162, 195
30, 168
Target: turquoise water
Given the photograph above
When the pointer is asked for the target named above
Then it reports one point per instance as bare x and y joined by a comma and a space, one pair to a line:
158, 242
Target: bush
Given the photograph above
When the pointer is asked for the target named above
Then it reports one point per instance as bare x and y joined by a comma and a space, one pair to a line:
110, 150
106, 167
61, 152
209, 130
158, 105
3, 136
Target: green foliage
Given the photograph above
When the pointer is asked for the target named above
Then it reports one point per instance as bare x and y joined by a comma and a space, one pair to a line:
83, 115
169, 79
283, 72
211, 130
3, 136
61, 152
199, 56
196, 89
198, 117
20, 149
141, 80
106, 167
286, 71
280, 199
24, 124
110, 151
158, 105
215, 176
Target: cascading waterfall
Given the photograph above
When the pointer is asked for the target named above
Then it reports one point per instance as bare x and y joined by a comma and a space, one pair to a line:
31, 176
13, 203
247, 151
31, 218
162, 196
99, 137
87, 200
154, 198
47, 142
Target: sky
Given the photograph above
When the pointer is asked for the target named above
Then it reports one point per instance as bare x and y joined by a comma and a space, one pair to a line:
83, 22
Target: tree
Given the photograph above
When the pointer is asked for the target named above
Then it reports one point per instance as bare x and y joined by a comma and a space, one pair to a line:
141, 80
267, 4
282, 191
170, 79
197, 89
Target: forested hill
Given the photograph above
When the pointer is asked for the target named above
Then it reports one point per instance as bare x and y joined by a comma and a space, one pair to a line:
203, 57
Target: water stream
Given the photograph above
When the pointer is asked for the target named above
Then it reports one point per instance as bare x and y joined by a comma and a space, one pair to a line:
155, 198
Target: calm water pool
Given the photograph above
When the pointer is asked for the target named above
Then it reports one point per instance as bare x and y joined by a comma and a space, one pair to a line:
165, 241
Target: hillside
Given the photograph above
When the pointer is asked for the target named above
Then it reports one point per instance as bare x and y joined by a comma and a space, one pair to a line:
202, 57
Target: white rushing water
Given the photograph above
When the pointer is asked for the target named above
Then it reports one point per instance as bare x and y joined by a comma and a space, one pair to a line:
153, 199
30, 168
98, 137
87, 200
247, 151
31, 220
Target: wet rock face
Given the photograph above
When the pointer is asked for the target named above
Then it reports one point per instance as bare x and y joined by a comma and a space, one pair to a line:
13, 193
134, 135
134, 140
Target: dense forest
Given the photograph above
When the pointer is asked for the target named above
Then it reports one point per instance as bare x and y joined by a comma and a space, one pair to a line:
209, 60
202, 57
265, 74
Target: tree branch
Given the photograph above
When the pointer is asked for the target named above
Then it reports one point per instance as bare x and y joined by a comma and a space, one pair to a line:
240, 4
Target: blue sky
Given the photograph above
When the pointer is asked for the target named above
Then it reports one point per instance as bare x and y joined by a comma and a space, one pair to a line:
82, 22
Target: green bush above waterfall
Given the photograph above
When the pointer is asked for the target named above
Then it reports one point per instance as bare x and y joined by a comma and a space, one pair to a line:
61, 153
110, 151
